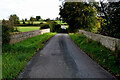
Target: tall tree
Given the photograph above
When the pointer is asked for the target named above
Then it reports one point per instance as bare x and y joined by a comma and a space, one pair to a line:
38, 18
111, 11
4, 21
23, 21
13, 21
5, 32
32, 19
57, 18
78, 15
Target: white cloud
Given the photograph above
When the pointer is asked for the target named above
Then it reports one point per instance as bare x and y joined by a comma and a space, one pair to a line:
27, 8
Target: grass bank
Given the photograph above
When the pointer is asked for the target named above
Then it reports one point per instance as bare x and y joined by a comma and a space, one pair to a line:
99, 53
16, 56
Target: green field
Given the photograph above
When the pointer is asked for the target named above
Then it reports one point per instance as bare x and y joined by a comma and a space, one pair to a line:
66, 26
35, 22
60, 22
32, 28
29, 28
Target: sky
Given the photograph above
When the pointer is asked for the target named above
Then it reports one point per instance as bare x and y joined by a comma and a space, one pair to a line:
29, 8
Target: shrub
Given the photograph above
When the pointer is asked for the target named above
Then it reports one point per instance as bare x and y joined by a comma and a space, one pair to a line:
5, 34
58, 28
23, 21
15, 30
54, 27
55, 22
18, 22
41, 23
44, 26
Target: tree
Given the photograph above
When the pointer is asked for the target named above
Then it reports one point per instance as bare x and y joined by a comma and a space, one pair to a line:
111, 11
57, 18
5, 32
4, 22
23, 21
13, 20
48, 19
78, 15
38, 18
32, 19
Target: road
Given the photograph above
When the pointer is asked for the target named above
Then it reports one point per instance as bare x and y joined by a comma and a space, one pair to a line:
62, 58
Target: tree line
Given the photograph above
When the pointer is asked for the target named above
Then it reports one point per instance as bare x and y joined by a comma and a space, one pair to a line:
14, 20
9, 26
103, 16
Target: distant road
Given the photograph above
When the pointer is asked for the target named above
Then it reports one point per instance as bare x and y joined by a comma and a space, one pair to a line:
62, 58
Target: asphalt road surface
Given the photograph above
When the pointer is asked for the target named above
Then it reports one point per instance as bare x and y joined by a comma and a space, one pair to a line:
62, 58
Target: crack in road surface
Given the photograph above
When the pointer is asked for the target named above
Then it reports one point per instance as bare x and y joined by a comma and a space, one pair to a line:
62, 58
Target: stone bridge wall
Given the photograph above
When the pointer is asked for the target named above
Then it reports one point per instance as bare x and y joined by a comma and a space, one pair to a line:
109, 42
24, 35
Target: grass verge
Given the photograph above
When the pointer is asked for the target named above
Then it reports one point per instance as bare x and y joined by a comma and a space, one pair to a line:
99, 53
16, 56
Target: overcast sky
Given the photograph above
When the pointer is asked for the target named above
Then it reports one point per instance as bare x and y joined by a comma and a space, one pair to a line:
28, 8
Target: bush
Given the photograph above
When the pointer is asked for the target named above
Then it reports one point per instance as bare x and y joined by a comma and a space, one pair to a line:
58, 28
5, 34
55, 27
41, 23
15, 30
23, 21
44, 26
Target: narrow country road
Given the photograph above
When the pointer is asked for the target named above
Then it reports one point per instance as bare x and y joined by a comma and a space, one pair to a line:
62, 58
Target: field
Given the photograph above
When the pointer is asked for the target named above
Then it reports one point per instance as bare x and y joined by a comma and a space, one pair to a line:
24, 28
61, 22
66, 26
28, 28
38, 22
35, 22
17, 55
